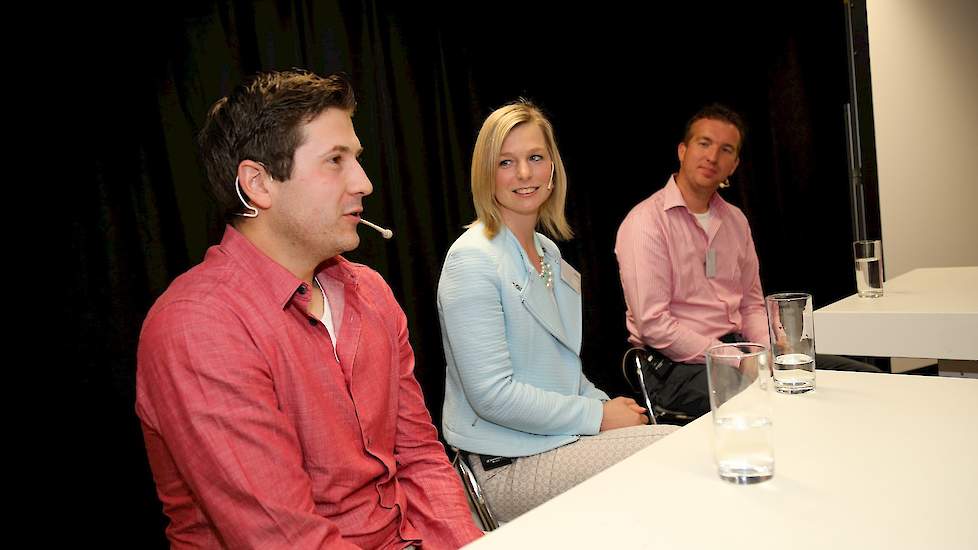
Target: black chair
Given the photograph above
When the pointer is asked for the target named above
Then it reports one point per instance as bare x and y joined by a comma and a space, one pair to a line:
642, 372
477, 499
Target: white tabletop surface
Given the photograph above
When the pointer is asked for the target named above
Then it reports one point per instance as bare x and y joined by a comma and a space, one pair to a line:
864, 461
927, 312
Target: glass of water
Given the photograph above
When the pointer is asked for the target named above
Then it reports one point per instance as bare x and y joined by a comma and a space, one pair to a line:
869, 268
791, 326
740, 400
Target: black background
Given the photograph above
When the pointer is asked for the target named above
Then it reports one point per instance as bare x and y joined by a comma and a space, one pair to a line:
617, 82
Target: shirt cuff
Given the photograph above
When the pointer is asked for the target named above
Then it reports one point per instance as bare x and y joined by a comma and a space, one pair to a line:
595, 415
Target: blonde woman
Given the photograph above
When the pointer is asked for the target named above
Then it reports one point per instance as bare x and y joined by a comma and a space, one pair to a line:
510, 311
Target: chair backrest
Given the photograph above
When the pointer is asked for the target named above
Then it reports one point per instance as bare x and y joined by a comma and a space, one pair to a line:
639, 371
631, 369
477, 499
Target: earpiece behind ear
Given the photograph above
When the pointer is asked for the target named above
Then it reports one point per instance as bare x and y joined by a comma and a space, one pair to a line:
250, 211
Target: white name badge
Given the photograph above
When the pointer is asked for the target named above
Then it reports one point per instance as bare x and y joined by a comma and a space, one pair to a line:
570, 276
711, 263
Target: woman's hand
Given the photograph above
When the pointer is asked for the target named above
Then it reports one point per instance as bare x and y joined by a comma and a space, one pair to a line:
622, 412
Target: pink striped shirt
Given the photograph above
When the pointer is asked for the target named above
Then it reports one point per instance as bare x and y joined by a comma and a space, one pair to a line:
673, 305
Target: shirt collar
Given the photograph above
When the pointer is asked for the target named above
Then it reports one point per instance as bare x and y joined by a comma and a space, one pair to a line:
674, 197
543, 249
277, 281
537, 244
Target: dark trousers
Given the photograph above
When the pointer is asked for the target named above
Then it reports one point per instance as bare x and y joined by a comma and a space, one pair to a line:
685, 389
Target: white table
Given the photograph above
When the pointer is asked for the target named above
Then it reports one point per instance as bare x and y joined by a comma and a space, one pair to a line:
865, 461
928, 312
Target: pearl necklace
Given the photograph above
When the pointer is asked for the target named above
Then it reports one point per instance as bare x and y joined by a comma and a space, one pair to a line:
546, 273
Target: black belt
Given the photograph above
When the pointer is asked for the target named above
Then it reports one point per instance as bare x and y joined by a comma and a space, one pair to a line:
733, 338
662, 366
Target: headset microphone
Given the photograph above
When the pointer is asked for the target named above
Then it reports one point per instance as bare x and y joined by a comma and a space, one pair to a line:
387, 233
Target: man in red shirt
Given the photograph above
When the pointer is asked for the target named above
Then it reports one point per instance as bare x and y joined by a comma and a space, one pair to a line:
275, 380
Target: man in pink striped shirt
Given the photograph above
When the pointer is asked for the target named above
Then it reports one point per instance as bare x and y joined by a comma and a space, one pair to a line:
687, 261
688, 266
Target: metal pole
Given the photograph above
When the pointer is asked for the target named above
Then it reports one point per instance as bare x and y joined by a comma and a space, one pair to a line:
853, 145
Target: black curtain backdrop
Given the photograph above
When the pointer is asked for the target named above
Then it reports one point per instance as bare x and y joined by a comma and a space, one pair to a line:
618, 84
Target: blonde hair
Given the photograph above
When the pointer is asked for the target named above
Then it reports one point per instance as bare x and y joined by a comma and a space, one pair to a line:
485, 160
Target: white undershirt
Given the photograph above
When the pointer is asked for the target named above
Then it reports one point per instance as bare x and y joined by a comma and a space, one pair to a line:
704, 220
327, 318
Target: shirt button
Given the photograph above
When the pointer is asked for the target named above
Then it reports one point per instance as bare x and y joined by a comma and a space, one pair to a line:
312, 322
302, 289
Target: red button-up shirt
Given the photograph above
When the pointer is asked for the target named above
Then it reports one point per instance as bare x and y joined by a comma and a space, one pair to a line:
673, 305
258, 438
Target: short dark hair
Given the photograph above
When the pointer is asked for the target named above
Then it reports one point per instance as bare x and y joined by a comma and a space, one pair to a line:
261, 120
720, 112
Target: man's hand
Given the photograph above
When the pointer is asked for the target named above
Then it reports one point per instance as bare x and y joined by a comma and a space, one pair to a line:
748, 367
622, 412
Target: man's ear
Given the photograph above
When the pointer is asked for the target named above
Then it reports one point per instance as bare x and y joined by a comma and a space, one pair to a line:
255, 184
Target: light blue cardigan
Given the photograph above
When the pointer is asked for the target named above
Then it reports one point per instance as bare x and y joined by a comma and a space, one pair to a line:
514, 381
